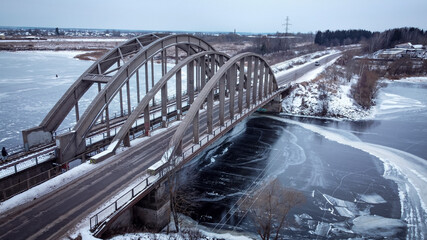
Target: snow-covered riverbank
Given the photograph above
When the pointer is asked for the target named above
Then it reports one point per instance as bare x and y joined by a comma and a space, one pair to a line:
322, 99
323, 92
326, 92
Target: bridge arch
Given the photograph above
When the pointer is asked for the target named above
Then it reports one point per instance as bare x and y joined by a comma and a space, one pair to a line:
246, 79
207, 62
129, 57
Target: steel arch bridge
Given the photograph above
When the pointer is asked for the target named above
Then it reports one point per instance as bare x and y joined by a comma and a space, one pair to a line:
198, 81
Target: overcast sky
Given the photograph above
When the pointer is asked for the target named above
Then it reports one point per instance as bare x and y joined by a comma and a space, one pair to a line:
216, 15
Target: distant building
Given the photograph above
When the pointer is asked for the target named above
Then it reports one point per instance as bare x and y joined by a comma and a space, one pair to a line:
32, 38
2, 36
392, 53
404, 50
418, 46
407, 45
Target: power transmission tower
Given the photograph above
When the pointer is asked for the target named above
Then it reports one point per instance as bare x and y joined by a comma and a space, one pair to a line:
286, 25
286, 32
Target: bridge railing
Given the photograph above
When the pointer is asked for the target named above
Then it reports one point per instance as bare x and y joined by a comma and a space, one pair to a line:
35, 180
100, 217
220, 129
41, 157
27, 162
124, 200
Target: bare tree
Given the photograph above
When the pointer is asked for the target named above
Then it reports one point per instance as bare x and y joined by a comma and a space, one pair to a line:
269, 206
365, 90
182, 199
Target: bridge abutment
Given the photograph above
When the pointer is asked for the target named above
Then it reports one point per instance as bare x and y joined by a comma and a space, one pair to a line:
274, 106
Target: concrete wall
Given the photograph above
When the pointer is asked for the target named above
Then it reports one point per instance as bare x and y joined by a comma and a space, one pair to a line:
124, 221
153, 219
36, 136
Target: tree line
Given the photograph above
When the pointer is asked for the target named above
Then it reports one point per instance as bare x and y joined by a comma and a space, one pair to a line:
389, 38
372, 41
341, 37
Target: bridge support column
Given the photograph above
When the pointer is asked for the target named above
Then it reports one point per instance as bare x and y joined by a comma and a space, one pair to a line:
126, 140
153, 211
147, 121
65, 150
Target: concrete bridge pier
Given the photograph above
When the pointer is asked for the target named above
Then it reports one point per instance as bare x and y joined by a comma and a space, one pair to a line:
151, 214
153, 211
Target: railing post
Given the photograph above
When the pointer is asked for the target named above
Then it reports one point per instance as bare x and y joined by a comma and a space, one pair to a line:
16, 170
115, 206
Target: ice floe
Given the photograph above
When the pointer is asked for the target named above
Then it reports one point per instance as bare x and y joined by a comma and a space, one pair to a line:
376, 226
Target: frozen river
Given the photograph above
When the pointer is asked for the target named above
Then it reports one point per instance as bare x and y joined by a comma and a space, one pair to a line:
360, 178
30, 85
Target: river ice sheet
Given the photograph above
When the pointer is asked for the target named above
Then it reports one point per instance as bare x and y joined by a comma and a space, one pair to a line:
407, 170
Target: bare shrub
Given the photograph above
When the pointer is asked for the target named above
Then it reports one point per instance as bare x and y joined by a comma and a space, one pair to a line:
269, 206
192, 234
182, 199
323, 97
365, 90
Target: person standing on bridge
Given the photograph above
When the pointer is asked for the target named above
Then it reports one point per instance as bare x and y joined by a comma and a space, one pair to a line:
3, 154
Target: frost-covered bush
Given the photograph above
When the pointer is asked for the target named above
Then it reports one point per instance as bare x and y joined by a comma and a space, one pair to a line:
365, 90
